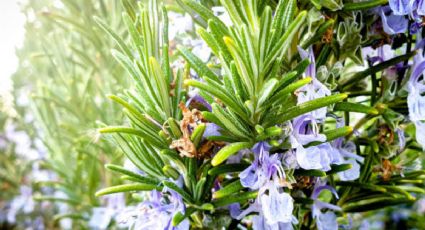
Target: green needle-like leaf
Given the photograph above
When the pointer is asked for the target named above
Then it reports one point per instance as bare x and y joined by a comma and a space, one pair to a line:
235, 198
228, 190
363, 5
355, 107
127, 188
229, 150
309, 106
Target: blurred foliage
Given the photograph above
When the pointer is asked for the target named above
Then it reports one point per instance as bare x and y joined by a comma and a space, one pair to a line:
62, 81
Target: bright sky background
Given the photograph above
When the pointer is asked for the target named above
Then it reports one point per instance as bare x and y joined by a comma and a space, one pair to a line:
11, 36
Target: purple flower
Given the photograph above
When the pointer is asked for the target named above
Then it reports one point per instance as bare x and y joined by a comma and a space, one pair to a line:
313, 90
416, 24
347, 156
378, 55
196, 99
351, 174
420, 205
22, 203
265, 174
315, 157
305, 131
416, 88
276, 206
327, 221
155, 213
414, 8
102, 216
420, 7
263, 168
234, 210
401, 7
211, 130
259, 223
393, 23
401, 139
420, 132
347, 150
290, 159
416, 98
324, 220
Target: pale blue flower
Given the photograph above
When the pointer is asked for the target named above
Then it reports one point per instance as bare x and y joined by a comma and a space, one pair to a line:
259, 223
325, 221
347, 149
416, 89
420, 132
421, 7
416, 98
273, 203
64, 208
305, 131
155, 213
401, 7
263, 168
392, 23
420, 206
197, 100
102, 216
290, 159
351, 174
234, 210
277, 206
401, 139
313, 90
274, 206
179, 24
315, 157
23, 203
211, 130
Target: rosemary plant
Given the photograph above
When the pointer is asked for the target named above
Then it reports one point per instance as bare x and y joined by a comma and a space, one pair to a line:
260, 114
259, 133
